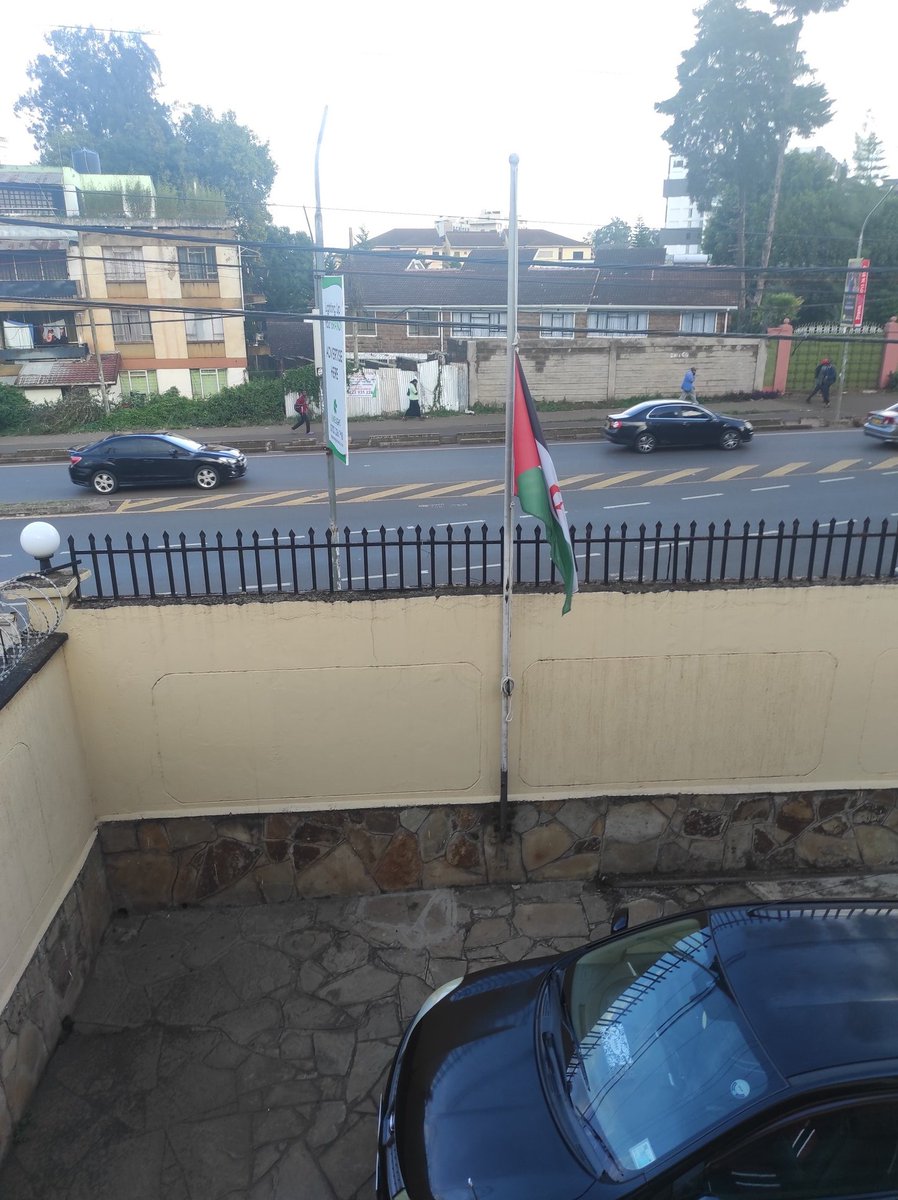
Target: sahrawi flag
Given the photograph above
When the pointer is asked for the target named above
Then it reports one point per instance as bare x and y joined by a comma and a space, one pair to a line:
536, 483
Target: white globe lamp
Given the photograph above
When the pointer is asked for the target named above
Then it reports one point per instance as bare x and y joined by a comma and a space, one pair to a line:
41, 540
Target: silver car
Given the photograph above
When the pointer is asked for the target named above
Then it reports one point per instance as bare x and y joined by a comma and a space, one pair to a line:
883, 424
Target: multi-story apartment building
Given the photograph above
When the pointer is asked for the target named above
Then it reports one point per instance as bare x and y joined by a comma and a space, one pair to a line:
458, 239
684, 220
166, 266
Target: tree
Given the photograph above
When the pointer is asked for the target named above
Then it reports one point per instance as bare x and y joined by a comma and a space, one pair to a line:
282, 271
98, 91
223, 154
869, 164
802, 108
739, 100
641, 235
615, 233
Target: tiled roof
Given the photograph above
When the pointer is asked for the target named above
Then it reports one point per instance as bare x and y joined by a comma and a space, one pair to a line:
69, 374
461, 238
666, 287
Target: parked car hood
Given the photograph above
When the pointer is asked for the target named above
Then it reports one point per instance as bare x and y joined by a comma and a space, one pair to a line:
215, 449
470, 1102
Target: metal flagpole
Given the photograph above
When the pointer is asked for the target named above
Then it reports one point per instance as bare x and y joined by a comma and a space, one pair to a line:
325, 408
507, 683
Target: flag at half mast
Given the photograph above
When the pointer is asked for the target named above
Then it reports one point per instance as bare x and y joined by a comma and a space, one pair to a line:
536, 483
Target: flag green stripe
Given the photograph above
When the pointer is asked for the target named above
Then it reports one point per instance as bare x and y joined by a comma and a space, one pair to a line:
533, 496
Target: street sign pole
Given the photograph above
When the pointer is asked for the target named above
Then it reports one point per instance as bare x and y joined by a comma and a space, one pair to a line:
853, 300
327, 385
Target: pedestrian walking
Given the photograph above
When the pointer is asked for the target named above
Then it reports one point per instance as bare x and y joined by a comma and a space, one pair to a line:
824, 378
414, 402
687, 387
303, 415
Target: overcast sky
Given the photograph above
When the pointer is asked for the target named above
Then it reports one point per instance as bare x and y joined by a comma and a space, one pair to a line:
426, 101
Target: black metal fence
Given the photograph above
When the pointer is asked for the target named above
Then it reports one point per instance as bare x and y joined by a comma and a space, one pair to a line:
416, 560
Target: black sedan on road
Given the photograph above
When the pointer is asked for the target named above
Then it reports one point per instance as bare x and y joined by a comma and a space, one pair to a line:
646, 426
153, 458
733, 1052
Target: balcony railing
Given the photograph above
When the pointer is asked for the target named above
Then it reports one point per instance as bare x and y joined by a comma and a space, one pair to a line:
419, 560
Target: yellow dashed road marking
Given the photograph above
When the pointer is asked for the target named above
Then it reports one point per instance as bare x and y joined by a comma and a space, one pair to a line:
842, 465
884, 465
394, 491
731, 474
262, 500
452, 487
317, 497
578, 479
128, 505
628, 475
786, 469
673, 477
209, 501
488, 491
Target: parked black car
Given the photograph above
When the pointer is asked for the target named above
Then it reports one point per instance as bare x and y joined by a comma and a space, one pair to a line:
153, 458
733, 1052
668, 423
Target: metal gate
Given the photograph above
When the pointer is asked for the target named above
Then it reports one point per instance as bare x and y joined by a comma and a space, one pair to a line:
814, 342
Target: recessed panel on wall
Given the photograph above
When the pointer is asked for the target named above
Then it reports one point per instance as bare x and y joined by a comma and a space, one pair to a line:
231, 736
879, 748
25, 855
654, 719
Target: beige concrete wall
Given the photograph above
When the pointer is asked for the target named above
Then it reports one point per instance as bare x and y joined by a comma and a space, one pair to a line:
603, 369
305, 704
46, 818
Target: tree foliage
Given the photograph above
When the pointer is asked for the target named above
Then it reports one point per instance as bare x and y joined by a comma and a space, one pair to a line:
224, 154
869, 159
744, 91
619, 233
98, 91
283, 270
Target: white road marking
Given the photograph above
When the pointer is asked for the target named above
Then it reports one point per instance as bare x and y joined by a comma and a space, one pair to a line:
776, 487
635, 504
841, 479
704, 496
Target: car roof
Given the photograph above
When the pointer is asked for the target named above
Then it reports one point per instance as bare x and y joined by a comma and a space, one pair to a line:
817, 982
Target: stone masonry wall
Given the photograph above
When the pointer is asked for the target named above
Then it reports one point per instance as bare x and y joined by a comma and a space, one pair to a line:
268, 858
34, 1019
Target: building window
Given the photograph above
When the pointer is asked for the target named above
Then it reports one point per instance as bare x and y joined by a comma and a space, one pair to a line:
698, 322
139, 383
479, 324
556, 325
577, 255
196, 264
124, 264
422, 322
617, 324
203, 328
207, 381
31, 200
131, 325
31, 266
363, 328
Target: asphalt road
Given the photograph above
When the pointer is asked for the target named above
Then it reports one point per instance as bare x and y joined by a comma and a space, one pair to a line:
779, 476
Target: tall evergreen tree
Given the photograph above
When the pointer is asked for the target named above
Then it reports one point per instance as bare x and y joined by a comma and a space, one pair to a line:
869, 160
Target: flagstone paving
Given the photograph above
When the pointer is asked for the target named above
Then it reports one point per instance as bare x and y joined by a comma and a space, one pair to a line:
223, 1054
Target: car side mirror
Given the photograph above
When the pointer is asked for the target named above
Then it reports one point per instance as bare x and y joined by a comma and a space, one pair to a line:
174, 453
620, 919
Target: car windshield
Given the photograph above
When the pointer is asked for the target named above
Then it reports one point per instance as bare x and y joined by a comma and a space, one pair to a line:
184, 443
657, 1051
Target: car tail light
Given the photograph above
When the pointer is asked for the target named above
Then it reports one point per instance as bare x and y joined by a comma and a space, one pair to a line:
76, 458
612, 424
888, 420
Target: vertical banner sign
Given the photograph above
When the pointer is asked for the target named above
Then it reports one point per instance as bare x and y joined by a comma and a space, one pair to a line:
334, 348
855, 295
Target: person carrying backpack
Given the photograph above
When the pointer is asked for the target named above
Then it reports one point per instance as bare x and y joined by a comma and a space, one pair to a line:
824, 377
303, 416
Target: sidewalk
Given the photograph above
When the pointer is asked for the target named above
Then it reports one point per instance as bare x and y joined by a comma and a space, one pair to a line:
476, 428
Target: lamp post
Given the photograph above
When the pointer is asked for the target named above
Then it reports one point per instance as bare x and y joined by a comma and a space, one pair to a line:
40, 540
893, 183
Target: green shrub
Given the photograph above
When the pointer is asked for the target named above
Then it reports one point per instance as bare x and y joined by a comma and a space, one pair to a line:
14, 409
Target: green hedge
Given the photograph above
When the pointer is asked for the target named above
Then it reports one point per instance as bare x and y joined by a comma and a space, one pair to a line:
14, 409
259, 402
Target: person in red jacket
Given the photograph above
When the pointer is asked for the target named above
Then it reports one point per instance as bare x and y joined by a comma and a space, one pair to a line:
303, 416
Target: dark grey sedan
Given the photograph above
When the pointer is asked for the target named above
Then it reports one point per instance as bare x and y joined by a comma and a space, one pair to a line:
646, 426
162, 459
